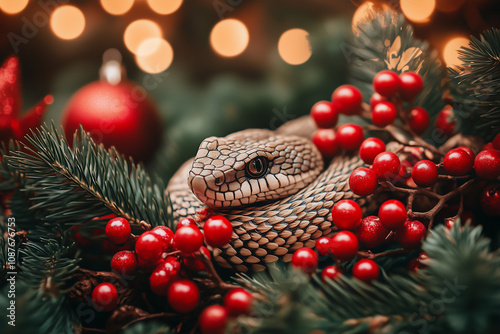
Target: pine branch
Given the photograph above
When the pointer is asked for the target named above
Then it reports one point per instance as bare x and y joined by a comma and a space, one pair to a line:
74, 186
147, 327
388, 42
476, 85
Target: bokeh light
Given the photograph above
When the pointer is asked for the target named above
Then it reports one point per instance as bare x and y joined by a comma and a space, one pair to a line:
164, 7
67, 22
13, 6
139, 31
418, 10
117, 7
294, 47
229, 37
154, 55
450, 51
449, 5
366, 13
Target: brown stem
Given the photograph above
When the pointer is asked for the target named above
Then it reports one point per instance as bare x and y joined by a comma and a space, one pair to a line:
370, 255
212, 273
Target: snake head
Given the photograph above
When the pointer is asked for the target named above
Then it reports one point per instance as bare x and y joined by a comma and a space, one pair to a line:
252, 166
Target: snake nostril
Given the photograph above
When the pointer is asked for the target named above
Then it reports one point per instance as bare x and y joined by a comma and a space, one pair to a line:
219, 181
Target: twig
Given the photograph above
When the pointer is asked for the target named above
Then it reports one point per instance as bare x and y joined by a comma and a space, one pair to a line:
212, 273
370, 255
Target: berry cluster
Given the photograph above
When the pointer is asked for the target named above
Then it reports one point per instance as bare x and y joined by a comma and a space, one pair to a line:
409, 169
171, 260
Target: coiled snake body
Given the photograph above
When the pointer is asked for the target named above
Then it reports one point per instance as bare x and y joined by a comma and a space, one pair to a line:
271, 185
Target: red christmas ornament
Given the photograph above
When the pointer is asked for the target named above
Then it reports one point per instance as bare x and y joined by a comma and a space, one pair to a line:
363, 181
119, 114
213, 320
344, 245
105, 297
238, 301
346, 214
350, 136
366, 270
371, 233
218, 231
324, 114
326, 142
323, 246
12, 125
306, 259
330, 272
370, 148
384, 113
183, 296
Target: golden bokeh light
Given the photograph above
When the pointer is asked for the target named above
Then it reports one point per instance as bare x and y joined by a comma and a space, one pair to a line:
450, 51
164, 7
418, 10
366, 13
154, 55
449, 5
139, 31
13, 6
67, 22
229, 38
294, 47
117, 7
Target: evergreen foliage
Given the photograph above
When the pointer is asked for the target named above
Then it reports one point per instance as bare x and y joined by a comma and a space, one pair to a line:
476, 85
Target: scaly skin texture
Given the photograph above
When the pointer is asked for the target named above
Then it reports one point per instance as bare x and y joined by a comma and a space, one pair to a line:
265, 229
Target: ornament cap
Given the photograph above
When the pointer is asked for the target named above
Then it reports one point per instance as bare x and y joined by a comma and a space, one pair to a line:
112, 70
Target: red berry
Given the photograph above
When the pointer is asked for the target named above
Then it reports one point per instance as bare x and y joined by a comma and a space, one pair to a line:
324, 114
376, 99
323, 246
490, 200
124, 263
326, 142
185, 222
346, 214
418, 263
411, 84
330, 272
386, 83
149, 247
218, 231
446, 121
344, 245
383, 114
496, 142
366, 270
347, 100
118, 230
183, 296
487, 164
165, 234
238, 301
424, 173
392, 214
195, 264
350, 136
306, 259
370, 148
213, 320
363, 181
386, 165
371, 233
419, 120
161, 277
410, 235
188, 239
457, 162
469, 151
105, 297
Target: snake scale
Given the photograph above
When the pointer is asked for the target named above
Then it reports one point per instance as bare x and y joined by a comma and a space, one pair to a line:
271, 185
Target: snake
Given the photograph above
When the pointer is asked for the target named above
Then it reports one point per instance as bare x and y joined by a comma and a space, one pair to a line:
274, 187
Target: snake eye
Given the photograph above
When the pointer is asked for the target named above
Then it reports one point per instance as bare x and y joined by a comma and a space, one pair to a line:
257, 167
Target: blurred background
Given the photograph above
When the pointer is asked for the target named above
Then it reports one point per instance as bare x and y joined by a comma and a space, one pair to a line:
209, 67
